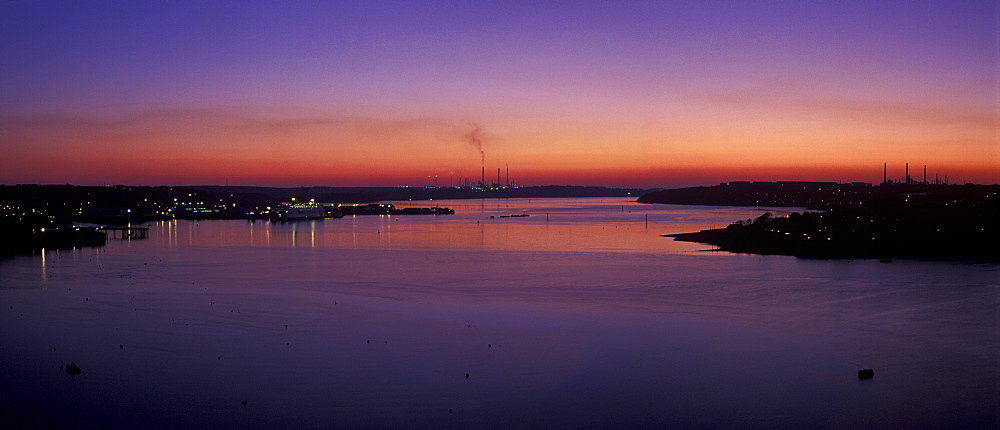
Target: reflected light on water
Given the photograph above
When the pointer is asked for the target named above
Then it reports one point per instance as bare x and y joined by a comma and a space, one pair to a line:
579, 315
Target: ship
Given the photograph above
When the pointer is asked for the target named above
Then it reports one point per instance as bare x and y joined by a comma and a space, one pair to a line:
296, 211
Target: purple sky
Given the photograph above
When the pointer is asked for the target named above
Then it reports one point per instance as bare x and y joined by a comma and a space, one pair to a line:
645, 87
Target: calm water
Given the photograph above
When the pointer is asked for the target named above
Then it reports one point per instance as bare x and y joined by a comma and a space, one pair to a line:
578, 315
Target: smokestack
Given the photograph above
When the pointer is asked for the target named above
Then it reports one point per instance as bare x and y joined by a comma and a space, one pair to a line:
482, 181
925, 174
498, 177
885, 167
906, 178
508, 176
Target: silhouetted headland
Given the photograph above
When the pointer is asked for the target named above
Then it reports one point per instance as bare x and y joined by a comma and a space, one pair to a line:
381, 194
810, 195
927, 222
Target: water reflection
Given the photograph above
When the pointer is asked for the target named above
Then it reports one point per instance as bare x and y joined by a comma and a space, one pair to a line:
579, 225
586, 317
45, 266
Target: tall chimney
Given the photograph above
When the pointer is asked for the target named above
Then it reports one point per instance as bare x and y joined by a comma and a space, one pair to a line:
906, 178
885, 166
482, 181
925, 174
498, 176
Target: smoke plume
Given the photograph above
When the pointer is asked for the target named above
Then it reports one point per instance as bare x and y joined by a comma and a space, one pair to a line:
475, 138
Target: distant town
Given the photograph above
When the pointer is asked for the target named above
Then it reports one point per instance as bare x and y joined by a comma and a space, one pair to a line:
64, 216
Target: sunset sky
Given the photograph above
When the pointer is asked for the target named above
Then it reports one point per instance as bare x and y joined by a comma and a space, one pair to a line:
650, 94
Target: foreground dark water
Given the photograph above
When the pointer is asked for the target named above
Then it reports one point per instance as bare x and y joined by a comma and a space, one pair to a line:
583, 317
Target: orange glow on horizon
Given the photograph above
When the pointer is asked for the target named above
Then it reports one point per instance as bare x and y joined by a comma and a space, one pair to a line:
219, 146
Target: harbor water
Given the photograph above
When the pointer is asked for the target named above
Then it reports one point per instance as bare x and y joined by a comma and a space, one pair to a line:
578, 315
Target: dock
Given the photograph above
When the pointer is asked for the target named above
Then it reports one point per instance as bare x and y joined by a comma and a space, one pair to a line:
126, 232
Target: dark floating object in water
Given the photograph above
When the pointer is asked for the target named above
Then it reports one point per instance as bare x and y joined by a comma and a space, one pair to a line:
287, 344
451, 411
53, 349
220, 358
369, 341
87, 299
72, 369
866, 374
466, 376
120, 346
244, 403
489, 346
286, 325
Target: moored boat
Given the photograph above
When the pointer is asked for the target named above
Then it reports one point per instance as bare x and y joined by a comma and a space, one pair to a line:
297, 211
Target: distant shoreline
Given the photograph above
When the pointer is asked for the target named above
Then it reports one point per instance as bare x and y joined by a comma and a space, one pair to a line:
34, 216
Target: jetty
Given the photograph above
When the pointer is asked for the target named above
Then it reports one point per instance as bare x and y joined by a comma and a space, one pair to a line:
124, 233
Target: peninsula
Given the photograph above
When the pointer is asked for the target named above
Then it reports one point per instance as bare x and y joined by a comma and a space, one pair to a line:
915, 221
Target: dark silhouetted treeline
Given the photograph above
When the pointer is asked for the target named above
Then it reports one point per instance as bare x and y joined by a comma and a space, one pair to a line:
381, 194
812, 195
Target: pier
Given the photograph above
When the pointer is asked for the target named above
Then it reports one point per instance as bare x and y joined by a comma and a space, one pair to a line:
126, 232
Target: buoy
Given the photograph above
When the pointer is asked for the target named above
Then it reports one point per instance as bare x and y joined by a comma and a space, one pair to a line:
466, 376
72, 369
244, 403
866, 374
